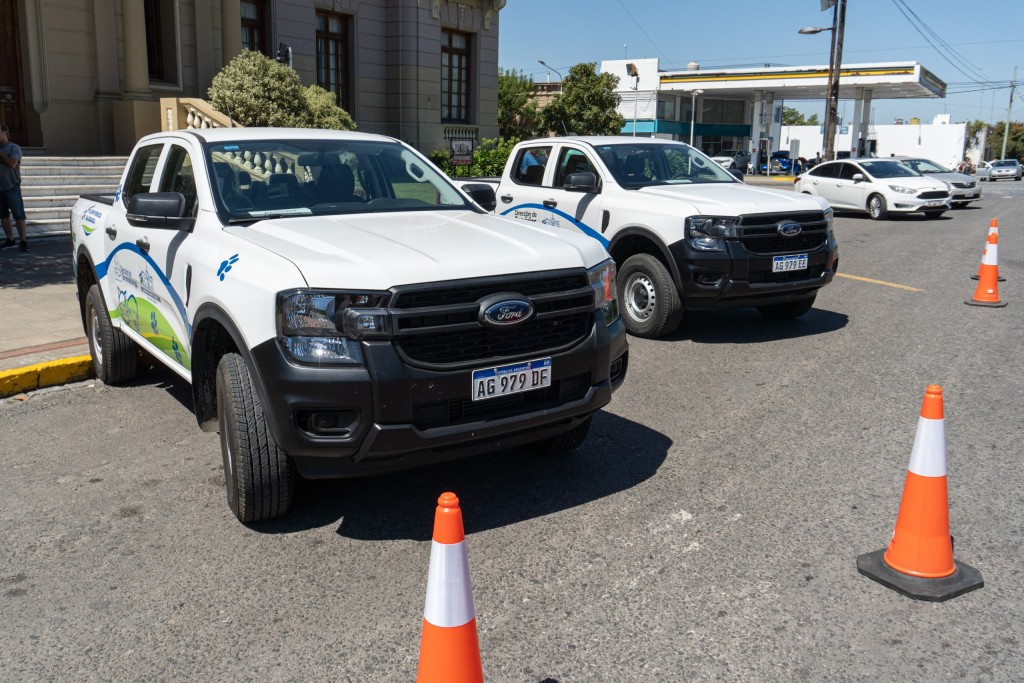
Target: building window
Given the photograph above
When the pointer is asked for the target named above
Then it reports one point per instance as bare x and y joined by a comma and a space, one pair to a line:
254, 33
161, 41
455, 75
332, 56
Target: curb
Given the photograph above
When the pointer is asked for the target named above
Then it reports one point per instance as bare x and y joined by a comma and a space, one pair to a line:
42, 375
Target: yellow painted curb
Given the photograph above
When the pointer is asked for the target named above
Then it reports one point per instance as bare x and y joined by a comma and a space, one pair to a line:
41, 375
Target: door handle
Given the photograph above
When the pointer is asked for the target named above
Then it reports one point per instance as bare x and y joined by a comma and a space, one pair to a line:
506, 199
550, 203
112, 232
143, 244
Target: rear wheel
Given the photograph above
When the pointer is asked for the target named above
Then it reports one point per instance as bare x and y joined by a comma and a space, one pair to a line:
788, 310
877, 208
258, 474
114, 355
650, 301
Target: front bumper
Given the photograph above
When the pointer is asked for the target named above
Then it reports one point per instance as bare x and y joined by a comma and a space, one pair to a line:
738, 278
914, 205
390, 416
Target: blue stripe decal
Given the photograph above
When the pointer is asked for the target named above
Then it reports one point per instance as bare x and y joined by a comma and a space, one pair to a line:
101, 272
586, 229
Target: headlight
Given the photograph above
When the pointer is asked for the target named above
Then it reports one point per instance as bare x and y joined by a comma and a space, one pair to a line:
602, 279
902, 190
708, 233
324, 327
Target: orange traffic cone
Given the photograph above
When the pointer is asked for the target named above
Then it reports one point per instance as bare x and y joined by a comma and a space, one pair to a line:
987, 292
919, 560
993, 229
449, 651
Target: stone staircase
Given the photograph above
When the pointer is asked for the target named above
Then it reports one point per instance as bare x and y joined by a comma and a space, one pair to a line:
51, 185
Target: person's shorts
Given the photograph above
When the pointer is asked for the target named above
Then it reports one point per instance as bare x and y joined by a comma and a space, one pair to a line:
11, 203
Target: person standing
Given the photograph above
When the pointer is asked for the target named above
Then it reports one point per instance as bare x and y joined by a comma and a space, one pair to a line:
11, 203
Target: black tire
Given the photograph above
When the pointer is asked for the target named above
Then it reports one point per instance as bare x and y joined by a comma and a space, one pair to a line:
789, 310
648, 298
258, 474
114, 355
960, 205
877, 208
569, 441
934, 214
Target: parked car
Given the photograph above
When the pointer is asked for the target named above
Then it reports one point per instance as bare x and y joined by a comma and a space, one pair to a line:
965, 188
1006, 169
732, 159
780, 162
877, 186
983, 171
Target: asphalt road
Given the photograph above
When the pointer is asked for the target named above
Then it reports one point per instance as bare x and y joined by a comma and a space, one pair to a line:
706, 531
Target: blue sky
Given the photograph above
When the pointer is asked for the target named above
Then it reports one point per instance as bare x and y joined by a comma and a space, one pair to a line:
983, 41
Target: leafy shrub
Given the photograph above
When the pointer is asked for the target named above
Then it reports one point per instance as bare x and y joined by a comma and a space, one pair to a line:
489, 159
255, 90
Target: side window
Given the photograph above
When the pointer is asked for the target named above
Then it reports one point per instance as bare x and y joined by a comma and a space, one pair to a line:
825, 171
140, 177
530, 164
572, 161
848, 171
179, 176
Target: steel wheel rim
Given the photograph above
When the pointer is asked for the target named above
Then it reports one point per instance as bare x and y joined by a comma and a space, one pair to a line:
97, 340
641, 297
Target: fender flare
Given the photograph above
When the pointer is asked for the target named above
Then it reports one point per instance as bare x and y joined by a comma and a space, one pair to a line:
666, 255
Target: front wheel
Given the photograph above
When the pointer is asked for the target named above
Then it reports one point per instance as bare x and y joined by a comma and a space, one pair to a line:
959, 205
258, 474
651, 304
789, 310
114, 355
934, 214
569, 441
877, 208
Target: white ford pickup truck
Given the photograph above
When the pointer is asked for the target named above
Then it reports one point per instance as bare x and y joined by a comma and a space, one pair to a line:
685, 234
340, 308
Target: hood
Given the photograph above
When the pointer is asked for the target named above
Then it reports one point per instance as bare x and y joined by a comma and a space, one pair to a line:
951, 177
922, 183
734, 199
378, 251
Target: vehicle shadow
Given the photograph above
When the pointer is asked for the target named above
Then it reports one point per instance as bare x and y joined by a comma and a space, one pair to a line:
47, 262
747, 326
494, 490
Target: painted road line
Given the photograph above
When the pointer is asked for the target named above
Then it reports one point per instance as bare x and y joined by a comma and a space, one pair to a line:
41, 375
879, 282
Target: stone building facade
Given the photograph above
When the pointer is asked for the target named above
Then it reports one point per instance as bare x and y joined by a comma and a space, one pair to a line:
87, 76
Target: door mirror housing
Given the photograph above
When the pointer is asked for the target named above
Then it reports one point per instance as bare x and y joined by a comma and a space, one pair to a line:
857, 177
737, 173
482, 194
583, 181
159, 210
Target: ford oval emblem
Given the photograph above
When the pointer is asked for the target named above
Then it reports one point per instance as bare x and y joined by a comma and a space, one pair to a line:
790, 229
503, 310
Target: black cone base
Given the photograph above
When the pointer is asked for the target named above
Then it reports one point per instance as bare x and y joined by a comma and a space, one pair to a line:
990, 304
965, 579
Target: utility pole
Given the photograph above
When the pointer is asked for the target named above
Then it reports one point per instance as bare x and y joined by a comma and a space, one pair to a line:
1006, 128
835, 67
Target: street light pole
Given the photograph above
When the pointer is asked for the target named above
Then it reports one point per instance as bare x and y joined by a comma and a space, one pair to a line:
693, 111
561, 85
634, 73
835, 65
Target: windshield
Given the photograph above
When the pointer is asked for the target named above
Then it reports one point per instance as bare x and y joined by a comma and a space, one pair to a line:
889, 169
256, 179
1005, 162
925, 166
647, 164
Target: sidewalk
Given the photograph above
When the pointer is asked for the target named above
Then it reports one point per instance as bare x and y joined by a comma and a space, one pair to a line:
40, 322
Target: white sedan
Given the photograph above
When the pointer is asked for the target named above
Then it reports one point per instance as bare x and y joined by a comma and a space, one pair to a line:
876, 186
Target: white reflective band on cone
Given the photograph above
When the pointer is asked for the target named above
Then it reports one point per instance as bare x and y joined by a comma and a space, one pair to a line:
449, 592
928, 459
990, 258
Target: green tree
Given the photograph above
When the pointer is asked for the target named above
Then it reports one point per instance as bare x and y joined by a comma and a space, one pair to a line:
255, 90
974, 129
793, 117
518, 116
586, 105
1014, 143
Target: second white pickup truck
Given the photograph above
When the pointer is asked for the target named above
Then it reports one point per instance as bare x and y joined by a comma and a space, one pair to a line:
684, 233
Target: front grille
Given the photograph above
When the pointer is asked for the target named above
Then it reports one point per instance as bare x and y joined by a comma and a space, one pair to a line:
963, 186
462, 410
933, 194
759, 232
437, 325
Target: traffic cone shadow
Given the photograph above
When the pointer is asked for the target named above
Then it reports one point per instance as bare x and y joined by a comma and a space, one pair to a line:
993, 227
987, 291
449, 649
919, 559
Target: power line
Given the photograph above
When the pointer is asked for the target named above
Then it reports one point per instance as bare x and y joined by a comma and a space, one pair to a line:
976, 77
656, 47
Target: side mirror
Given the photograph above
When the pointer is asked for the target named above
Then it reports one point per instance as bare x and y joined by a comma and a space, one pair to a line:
857, 177
482, 194
159, 210
584, 181
737, 173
